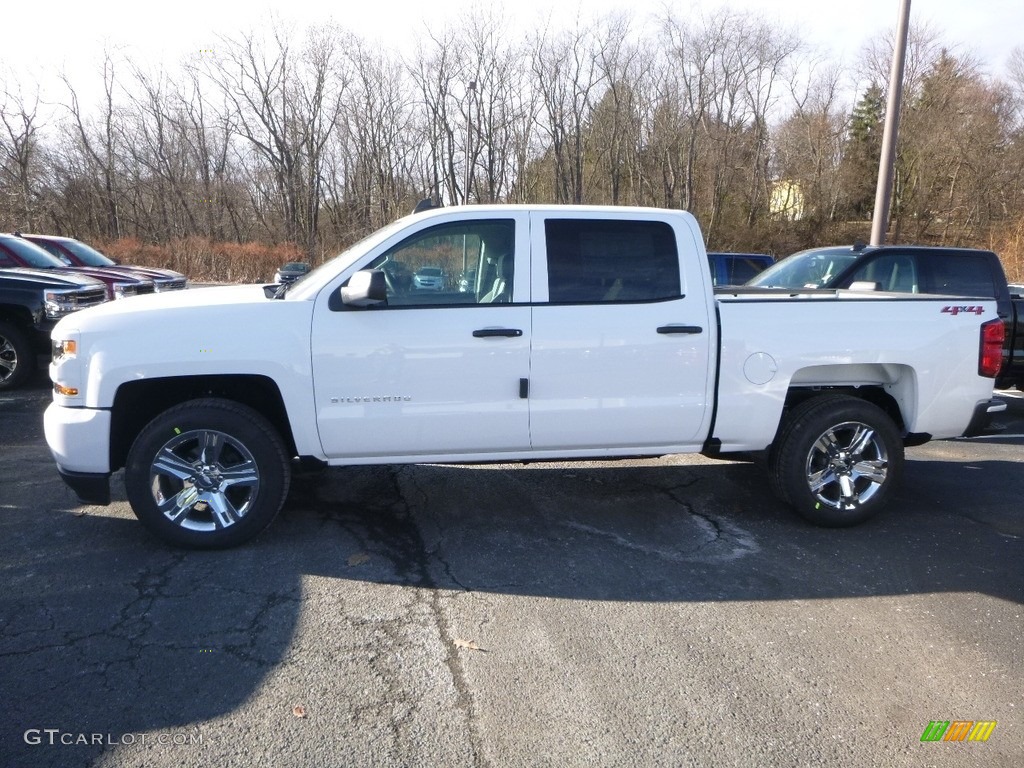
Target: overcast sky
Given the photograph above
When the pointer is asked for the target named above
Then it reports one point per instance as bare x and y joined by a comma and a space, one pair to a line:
72, 33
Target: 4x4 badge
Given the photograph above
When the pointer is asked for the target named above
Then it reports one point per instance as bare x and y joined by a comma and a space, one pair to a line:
951, 310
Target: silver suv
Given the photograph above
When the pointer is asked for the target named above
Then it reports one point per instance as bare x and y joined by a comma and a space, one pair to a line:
428, 279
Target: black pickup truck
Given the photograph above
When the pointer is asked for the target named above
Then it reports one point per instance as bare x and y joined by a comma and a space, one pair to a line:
31, 303
912, 269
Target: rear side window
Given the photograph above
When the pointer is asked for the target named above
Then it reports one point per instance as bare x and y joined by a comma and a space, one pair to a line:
960, 275
604, 260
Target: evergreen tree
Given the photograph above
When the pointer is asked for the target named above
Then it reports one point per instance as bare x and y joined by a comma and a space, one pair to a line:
863, 152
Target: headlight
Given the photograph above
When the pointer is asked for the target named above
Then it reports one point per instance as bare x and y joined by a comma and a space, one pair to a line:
65, 367
123, 290
167, 284
58, 303
62, 348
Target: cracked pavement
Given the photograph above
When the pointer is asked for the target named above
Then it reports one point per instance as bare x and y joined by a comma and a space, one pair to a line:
657, 612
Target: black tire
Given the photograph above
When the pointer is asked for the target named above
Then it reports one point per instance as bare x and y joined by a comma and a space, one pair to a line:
836, 460
214, 497
17, 358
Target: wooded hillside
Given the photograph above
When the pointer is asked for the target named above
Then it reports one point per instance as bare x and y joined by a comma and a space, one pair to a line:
294, 144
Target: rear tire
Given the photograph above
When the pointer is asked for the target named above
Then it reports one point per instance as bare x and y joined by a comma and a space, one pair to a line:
207, 474
17, 358
836, 460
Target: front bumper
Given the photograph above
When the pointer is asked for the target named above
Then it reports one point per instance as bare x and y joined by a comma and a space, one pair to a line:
79, 439
89, 488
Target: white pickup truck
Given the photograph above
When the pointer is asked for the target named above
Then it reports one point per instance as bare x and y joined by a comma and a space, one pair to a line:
561, 333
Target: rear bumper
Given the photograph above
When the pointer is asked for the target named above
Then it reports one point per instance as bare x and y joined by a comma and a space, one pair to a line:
982, 417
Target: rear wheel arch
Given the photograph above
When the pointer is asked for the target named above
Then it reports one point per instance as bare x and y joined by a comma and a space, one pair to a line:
875, 394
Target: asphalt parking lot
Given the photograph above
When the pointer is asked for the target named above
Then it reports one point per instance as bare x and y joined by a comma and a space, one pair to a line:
665, 612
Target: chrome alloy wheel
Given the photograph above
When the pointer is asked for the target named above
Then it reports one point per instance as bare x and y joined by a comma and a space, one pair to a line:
8, 358
847, 465
204, 480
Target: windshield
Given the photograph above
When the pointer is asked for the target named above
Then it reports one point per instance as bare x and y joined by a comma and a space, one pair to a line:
309, 285
87, 254
31, 254
808, 269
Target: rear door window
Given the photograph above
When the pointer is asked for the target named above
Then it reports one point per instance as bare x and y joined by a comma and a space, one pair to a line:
602, 261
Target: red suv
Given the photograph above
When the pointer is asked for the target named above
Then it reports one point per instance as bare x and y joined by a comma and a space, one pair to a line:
15, 251
75, 253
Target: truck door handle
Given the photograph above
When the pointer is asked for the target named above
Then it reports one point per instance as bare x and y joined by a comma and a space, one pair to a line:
691, 329
485, 333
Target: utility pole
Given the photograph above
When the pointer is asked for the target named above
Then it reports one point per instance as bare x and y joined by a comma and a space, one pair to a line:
883, 192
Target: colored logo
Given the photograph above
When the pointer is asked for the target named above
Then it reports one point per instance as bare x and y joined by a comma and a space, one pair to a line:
958, 730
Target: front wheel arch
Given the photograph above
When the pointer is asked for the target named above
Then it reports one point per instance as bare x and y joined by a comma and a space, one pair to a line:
139, 402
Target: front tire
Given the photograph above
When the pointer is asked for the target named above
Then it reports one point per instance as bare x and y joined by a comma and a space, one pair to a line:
207, 474
837, 460
17, 358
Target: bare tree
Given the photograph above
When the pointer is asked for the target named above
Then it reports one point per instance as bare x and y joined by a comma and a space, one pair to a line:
205, 134
615, 131
494, 67
770, 53
380, 151
99, 142
20, 155
809, 151
317, 137
568, 80
441, 75
284, 103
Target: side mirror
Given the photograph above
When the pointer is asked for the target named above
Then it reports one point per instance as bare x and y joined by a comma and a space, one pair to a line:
366, 288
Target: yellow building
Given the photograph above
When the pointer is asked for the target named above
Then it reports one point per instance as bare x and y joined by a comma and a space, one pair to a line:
787, 200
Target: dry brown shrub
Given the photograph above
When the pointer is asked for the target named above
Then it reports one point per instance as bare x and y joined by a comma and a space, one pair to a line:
206, 261
1008, 242
210, 261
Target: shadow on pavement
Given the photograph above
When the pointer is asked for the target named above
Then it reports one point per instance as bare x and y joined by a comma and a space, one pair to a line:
105, 631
